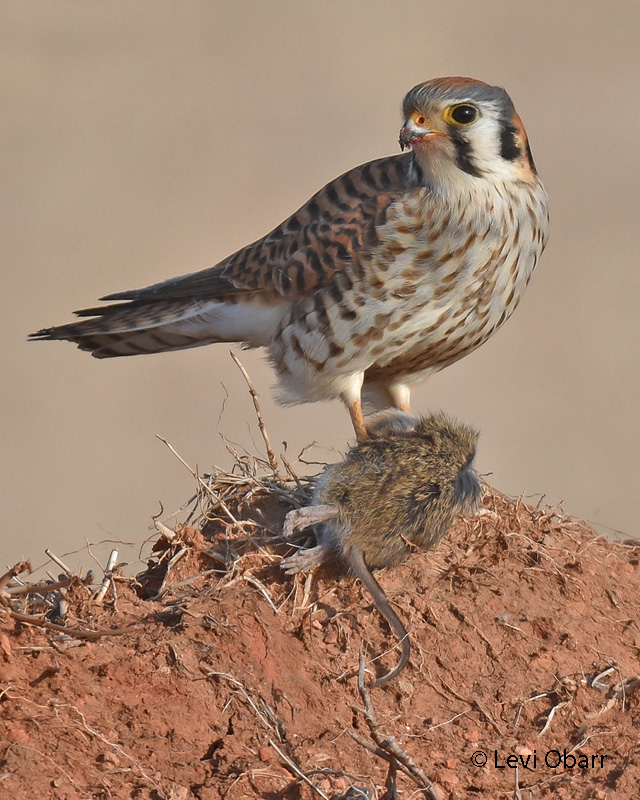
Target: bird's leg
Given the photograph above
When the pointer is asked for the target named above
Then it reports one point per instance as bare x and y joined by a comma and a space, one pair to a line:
351, 396
357, 418
400, 395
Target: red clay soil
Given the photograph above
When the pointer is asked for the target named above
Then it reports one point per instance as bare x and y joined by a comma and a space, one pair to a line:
236, 684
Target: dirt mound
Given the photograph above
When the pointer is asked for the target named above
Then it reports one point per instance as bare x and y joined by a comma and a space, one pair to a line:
212, 675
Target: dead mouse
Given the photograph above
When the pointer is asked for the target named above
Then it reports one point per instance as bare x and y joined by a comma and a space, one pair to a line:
403, 486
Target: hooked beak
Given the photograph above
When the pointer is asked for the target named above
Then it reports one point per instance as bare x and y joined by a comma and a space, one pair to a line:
412, 134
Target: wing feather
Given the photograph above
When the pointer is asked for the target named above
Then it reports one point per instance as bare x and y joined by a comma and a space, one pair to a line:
333, 233
334, 227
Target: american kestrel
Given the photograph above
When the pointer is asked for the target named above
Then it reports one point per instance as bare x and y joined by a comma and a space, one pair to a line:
392, 271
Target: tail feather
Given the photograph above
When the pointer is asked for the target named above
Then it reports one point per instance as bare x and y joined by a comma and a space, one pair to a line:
128, 329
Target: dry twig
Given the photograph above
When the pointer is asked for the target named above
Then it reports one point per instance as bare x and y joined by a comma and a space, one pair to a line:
58, 561
80, 633
9, 575
297, 770
273, 461
108, 575
387, 747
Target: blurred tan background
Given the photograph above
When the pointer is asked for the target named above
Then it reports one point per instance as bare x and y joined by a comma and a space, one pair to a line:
144, 140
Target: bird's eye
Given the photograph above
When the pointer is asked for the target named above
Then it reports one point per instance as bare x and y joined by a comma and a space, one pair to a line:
461, 115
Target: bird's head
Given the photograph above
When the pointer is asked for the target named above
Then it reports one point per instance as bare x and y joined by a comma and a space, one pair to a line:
463, 125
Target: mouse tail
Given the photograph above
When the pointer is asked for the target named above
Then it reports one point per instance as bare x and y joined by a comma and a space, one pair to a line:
362, 571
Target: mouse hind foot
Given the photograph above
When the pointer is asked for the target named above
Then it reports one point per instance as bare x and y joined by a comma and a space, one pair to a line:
304, 560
